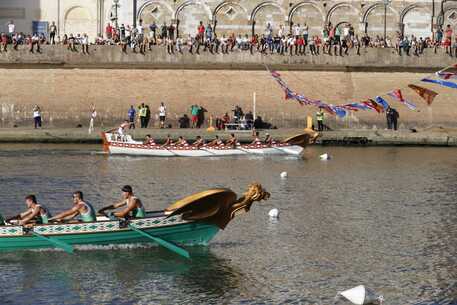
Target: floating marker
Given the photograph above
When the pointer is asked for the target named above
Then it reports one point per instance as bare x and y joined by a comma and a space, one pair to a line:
324, 156
361, 296
283, 175
274, 213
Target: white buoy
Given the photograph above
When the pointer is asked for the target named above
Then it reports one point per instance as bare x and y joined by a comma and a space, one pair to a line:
283, 175
324, 156
274, 213
361, 296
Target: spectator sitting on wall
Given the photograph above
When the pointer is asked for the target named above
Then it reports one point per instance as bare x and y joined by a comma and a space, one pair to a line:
184, 121
260, 124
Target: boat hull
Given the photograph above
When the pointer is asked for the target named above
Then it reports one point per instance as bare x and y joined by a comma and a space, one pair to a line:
127, 146
191, 233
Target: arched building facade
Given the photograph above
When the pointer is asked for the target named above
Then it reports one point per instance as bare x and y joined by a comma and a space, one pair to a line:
234, 16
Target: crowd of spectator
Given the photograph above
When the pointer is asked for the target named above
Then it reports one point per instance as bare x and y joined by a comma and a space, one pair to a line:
295, 40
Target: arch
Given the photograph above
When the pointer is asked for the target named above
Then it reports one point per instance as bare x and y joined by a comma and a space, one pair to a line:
264, 4
74, 8
227, 22
411, 24
225, 3
193, 2
337, 6
159, 2
294, 9
78, 19
374, 6
409, 8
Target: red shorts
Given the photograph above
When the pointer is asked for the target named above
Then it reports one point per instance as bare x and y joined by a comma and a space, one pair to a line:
194, 118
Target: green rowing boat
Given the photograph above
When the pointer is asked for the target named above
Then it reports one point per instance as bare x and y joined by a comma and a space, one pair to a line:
194, 220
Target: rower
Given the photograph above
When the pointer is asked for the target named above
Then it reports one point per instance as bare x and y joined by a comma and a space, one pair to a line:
181, 142
149, 140
232, 141
122, 127
133, 206
256, 139
216, 142
84, 210
36, 213
199, 142
268, 140
168, 141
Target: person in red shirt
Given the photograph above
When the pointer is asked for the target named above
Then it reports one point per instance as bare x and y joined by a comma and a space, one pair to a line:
300, 44
4, 41
201, 32
109, 31
448, 39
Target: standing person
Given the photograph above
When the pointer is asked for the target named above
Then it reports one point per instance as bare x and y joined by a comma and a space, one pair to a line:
131, 114
194, 109
389, 118
320, 119
11, 29
85, 44
395, 116
52, 33
37, 116
93, 115
142, 115
162, 114
147, 117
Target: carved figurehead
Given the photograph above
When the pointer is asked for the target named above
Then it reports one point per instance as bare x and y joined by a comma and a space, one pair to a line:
303, 139
217, 206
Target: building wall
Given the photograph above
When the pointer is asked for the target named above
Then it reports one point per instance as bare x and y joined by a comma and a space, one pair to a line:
91, 16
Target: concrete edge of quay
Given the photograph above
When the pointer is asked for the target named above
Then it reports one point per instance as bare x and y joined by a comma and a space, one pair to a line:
349, 137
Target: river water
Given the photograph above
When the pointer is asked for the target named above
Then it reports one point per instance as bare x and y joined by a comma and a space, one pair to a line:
382, 217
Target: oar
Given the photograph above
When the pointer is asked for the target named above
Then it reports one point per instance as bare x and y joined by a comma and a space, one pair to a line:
166, 244
59, 244
170, 246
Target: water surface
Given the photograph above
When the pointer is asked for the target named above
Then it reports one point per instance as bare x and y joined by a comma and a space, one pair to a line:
383, 217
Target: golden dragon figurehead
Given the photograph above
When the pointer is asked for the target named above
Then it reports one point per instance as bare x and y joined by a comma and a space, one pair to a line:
217, 206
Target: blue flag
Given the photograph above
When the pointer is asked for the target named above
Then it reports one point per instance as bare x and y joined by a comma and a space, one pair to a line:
382, 102
440, 82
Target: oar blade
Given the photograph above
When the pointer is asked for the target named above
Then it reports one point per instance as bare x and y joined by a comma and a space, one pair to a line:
57, 243
166, 244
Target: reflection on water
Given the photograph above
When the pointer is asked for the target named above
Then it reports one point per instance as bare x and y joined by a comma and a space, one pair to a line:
383, 217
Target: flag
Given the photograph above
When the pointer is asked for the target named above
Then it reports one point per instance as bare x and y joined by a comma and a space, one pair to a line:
440, 82
373, 105
382, 102
397, 95
446, 75
340, 111
427, 94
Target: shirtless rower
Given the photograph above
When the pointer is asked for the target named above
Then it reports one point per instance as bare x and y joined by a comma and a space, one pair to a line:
149, 140
215, 142
199, 142
232, 141
256, 139
268, 140
133, 206
36, 213
181, 142
168, 141
81, 208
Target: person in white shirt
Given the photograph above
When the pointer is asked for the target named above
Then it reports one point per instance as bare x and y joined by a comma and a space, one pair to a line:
85, 43
297, 30
93, 115
281, 30
11, 28
162, 114
37, 116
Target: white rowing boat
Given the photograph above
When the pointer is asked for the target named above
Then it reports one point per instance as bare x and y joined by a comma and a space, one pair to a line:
116, 144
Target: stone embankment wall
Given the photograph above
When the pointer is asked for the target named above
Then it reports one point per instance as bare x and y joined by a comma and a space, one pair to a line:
113, 81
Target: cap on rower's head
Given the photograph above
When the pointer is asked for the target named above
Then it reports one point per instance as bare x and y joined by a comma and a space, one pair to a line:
127, 189
267, 134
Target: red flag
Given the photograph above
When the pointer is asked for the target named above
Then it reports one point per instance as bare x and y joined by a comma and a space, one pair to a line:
427, 94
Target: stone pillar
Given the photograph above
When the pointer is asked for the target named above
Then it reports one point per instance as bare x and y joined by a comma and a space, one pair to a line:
135, 5
100, 16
